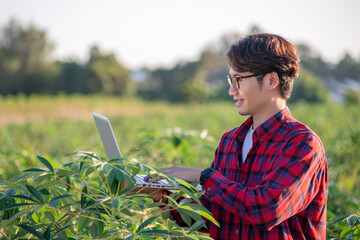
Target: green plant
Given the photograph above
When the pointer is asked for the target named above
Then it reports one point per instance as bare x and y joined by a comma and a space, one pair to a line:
89, 198
347, 227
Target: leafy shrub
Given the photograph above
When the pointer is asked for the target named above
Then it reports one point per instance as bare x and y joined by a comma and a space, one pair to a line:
174, 146
89, 198
347, 227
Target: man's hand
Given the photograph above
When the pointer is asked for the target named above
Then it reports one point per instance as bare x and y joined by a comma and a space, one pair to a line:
184, 173
156, 193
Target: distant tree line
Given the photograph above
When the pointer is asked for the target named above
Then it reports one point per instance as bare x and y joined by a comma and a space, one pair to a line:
26, 67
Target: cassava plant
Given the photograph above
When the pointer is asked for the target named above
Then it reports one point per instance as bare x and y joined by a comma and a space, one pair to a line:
89, 198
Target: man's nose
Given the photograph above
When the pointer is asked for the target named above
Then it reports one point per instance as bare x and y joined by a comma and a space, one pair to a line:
232, 91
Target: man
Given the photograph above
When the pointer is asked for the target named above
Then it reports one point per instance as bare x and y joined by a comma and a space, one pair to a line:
268, 179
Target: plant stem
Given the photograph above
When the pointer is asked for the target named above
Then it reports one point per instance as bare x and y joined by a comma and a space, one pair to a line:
3, 235
335, 234
113, 225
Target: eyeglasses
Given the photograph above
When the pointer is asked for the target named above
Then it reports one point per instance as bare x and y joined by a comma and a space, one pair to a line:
235, 81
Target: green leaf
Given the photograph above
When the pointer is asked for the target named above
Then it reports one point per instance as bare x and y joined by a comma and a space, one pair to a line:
127, 212
61, 230
34, 170
156, 231
24, 197
130, 237
197, 225
346, 232
145, 237
115, 203
89, 171
189, 192
157, 204
63, 173
119, 175
46, 163
165, 214
143, 168
31, 230
185, 201
35, 193
54, 202
17, 206
184, 215
44, 191
353, 220
83, 197
49, 215
47, 233
82, 222
51, 183
111, 177
146, 223
209, 217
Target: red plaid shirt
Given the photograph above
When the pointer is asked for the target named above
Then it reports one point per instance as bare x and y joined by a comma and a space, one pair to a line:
279, 192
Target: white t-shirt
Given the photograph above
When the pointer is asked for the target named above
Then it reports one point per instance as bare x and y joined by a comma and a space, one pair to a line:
247, 144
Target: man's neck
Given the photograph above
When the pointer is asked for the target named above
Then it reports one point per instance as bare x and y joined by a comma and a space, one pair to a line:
268, 111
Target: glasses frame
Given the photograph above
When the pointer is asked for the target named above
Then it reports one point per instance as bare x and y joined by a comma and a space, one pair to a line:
235, 81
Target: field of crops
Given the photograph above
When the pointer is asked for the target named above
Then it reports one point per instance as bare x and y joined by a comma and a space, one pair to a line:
163, 134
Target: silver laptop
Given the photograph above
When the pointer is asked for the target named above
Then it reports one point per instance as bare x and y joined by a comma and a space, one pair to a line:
113, 151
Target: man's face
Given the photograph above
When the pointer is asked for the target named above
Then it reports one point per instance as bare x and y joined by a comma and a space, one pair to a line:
251, 98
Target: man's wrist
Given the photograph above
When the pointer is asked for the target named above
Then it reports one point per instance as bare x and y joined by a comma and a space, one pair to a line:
205, 175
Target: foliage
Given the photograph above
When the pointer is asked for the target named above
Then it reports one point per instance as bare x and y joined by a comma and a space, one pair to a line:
347, 227
162, 134
352, 97
309, 88
90, 198
194, 90
24, 60
105, 74
71, 79
26, 66
169, 147
347, 67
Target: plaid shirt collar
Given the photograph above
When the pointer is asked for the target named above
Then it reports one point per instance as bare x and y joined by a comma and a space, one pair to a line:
266, 129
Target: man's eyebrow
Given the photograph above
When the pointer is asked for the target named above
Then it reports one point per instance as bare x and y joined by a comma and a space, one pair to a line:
235, 75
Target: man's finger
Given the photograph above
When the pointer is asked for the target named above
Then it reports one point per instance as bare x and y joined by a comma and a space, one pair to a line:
150, 179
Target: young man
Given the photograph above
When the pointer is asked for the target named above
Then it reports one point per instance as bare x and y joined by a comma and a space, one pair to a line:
269, 176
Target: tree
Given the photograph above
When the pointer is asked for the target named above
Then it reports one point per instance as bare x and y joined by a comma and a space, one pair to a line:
25, 65
347, 67
311, 60
72, 78
309, 88
105, 74
352, 97
194, 90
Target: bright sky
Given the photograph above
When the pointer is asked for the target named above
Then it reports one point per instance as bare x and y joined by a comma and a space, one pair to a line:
161, 32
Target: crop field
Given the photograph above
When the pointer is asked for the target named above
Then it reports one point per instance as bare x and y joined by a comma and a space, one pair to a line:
163, 134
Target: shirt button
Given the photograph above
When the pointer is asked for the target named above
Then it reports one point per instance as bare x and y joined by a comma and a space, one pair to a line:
219, 168
208, 189
237, 231
262, 140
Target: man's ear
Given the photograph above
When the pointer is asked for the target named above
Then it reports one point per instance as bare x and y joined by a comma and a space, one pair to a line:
273, 80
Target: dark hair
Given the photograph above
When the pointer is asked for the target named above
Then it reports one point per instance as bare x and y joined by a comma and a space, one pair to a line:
265, 53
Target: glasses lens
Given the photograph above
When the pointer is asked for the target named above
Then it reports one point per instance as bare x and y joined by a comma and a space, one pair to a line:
229, 80
233, 82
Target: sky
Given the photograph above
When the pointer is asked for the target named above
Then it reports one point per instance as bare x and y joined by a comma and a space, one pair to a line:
156, 33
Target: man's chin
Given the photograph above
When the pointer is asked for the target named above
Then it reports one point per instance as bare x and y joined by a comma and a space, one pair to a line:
243, 113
